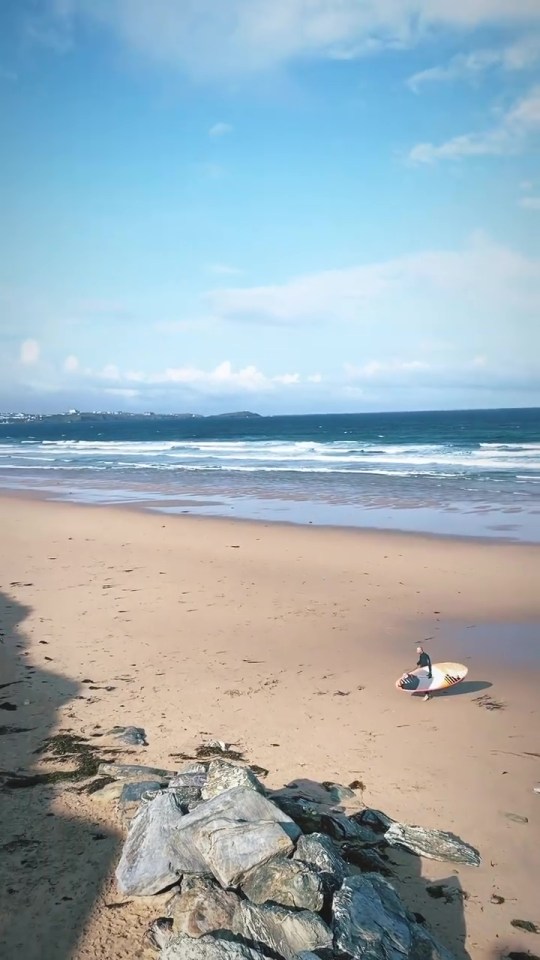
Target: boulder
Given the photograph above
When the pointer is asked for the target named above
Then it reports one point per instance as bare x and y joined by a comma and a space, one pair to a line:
371, 923
133, 736
366, 857
146, 866
193, 776
318, 818
131, 771
160, 932
321, 854
432, 844
202, 907
210, 948
240, 804
289, 883
132, 794
232, 848
223, 776
281, 931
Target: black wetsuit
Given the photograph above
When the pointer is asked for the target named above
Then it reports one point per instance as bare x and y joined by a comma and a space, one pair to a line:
424, 660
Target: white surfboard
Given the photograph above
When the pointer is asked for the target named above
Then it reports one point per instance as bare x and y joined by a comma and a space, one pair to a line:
444, 675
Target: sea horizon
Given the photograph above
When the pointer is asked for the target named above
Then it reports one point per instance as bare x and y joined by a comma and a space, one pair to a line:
455, 472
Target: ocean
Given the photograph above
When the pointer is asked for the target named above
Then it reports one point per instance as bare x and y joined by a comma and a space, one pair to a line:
463, 473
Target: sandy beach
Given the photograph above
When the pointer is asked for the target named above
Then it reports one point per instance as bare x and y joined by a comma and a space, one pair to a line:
287, 641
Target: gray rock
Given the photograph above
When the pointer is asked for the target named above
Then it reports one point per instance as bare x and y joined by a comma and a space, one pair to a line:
239, 804
377, 821
135, 790
536, 789
371, 923
289, 883
130, 771
366, 857
223, 776
192, 776
432, 844
134, 736
146, 865
160, 932
317, 818
202, 907
133, 794
322, 854
209, 948
280, 930
338, 793
232, 848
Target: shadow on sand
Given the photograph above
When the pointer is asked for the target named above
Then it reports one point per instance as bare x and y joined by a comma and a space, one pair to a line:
51, 867
442, 912
460, 689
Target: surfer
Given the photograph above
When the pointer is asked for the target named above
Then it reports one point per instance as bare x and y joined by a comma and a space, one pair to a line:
424, 660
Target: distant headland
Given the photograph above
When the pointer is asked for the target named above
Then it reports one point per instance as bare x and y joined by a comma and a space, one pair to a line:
97, 416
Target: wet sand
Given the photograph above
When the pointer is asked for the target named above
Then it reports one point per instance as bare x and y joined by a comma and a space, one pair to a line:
286, 640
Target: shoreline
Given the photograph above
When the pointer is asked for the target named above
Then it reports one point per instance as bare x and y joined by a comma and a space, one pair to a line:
146, 507
287, 640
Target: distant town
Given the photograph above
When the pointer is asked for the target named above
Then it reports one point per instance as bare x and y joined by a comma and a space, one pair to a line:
105, 416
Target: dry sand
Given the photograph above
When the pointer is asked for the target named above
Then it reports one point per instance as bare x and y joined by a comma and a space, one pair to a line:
287, 641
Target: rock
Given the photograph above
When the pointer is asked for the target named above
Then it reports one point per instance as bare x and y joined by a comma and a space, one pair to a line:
209, 948
146, 866
279, 930
232, 848
432, 844
192, 776
240, 804
316, 818
223, 776
202, 907
371, 923
129, 771
321, 854
338, 793
377, 821
135, 790
536, 789
289, 883
134, 736
160, 932
367, 858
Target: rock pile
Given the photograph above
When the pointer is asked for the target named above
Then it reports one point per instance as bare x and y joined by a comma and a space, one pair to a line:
257, 874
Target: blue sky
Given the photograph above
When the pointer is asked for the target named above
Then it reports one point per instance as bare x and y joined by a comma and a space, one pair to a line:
280, 205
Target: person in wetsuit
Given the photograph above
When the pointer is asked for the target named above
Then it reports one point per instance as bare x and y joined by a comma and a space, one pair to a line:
424, 660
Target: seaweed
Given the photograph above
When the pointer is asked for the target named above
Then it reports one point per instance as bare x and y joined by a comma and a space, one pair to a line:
62, 747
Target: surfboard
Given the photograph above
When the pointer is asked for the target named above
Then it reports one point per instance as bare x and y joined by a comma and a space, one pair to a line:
444, 675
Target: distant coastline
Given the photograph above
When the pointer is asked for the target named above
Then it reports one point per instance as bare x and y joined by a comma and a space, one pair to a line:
78, 416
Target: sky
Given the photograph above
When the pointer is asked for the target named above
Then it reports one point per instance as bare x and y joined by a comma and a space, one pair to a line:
286, 206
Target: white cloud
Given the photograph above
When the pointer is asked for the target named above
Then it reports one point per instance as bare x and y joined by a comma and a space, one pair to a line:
221, 379
510, 135
521, 55
220, 130
71, 364
530, 203
30, 351
210, 40
484, 274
